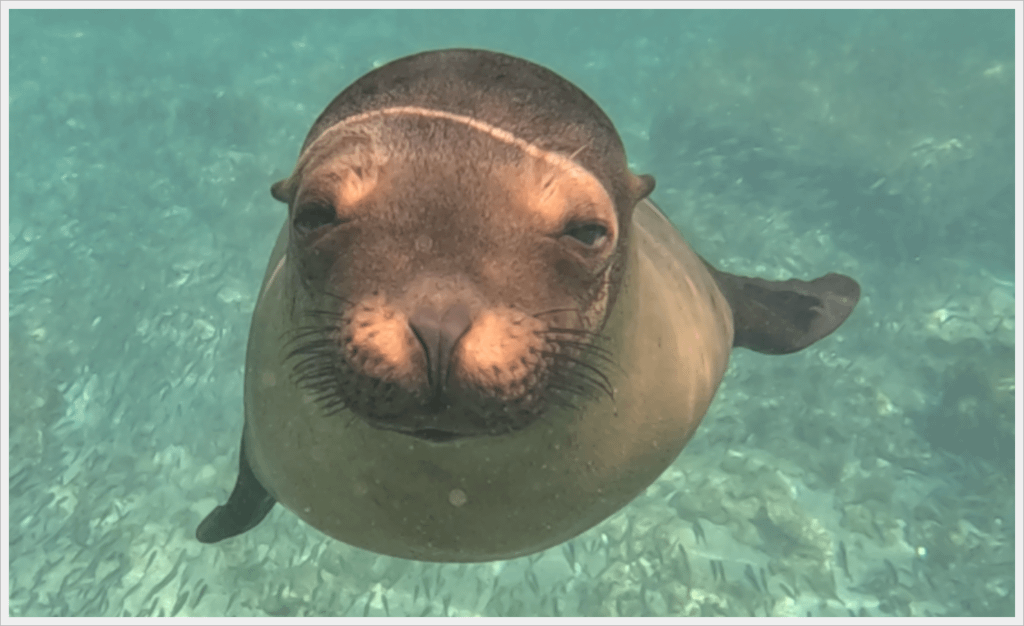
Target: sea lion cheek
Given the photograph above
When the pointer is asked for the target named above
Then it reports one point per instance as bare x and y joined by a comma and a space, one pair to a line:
381, 346
500, 352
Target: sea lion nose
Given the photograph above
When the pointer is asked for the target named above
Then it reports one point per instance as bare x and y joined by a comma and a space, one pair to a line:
438, 333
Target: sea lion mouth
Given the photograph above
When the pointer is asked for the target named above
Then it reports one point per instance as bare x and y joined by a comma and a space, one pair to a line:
447, 424
404, 379
432, 409
434, 435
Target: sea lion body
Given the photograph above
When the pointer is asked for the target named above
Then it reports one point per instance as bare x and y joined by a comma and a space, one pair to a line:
500, 497
517, 342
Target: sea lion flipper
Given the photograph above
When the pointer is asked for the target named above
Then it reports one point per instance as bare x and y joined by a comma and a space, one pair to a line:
784, 316
248, 504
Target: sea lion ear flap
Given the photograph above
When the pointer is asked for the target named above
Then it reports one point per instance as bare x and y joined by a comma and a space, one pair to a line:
640, 186
284, 190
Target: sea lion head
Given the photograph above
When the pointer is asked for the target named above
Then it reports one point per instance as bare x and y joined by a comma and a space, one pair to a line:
457, 231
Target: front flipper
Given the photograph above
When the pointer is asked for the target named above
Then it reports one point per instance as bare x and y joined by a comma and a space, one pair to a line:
779, 317
248, 504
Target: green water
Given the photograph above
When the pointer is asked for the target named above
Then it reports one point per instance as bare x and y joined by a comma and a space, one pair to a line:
868, 475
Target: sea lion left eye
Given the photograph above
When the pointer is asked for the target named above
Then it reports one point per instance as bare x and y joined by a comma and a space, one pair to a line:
311, 216
587, 234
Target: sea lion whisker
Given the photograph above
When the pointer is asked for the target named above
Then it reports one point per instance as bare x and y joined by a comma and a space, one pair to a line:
310, 331
300, 358
594, 383
320, 395
572, 339
554, 334
314, 380
306, 340
576, 385
579, 362
316, 325
317, 368
585, 348
307, 356
567, 331
316, 312
554, 311
584, 372
338, 297
297, 334
331, 339
328, 345
306, 363
317, 379
329, 401
312, 374
310, 340
594, 374
308, 374
560, 401
324, 313
322, 390
557, 384
586, 380
576, 152
317, 342
605, 358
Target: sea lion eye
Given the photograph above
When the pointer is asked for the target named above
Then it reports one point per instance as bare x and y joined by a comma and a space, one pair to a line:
313, 215
587, 234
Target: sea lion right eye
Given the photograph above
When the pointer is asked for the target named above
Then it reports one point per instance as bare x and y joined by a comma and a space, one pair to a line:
588, 234
314, 215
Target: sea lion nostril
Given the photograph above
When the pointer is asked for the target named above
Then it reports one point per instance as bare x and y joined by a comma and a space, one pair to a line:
438, 332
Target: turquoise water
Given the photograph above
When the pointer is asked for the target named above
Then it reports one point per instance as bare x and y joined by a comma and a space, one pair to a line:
871, 474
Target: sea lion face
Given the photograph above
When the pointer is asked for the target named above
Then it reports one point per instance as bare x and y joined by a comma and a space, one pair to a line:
448, 297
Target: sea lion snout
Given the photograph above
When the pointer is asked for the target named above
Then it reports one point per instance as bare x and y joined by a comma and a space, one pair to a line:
438, 331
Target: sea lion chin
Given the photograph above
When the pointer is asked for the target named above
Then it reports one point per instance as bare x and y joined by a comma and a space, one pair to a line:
472, 294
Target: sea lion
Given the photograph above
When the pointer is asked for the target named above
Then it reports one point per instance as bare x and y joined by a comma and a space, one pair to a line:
476, 338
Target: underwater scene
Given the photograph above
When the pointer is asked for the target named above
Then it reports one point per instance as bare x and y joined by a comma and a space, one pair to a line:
871, 474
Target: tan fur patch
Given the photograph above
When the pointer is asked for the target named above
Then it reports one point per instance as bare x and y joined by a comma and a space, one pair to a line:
381, 343
559, 188
499, 352
346, 162
557, 194
353, 184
